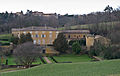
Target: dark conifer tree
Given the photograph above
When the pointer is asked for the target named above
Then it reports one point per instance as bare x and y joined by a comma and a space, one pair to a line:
28, 37
61, 44
22, 39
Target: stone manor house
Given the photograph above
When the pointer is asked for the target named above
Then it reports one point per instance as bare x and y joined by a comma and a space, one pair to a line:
46, 35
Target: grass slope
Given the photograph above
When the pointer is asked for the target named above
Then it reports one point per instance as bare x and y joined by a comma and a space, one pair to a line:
4, 39
87, 26
72, 58
5, 36
103, 68
61, 58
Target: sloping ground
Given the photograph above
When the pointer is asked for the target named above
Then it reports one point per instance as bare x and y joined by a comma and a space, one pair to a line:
5, 36
102, 68
72, 58
86, 26
47, 60
4, 39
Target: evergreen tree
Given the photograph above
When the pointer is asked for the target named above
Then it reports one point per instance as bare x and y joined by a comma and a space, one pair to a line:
76, 47
61, 44
25, 38
108, 9
28, 37
14, 40
22, 39
21, 12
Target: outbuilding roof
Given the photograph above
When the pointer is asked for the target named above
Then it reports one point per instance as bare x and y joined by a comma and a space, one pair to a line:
76, 31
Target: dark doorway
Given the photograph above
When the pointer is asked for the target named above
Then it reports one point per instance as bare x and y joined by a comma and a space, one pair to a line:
44, 51
68, 36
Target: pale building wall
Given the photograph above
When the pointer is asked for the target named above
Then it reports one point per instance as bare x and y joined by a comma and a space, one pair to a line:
38, 38
89, 42
50, 36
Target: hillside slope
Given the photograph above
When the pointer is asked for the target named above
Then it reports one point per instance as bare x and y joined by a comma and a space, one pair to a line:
103, 68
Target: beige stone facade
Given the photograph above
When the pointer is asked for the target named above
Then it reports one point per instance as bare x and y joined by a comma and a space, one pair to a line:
46, 35
89, 41
41, 35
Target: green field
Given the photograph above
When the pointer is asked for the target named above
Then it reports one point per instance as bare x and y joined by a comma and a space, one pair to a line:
4, 39
5, 36
75, 27
87, 26
11, 61
61, 58
72, 58
101, 68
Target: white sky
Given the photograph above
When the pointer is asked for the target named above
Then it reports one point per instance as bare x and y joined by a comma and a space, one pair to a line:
58, 6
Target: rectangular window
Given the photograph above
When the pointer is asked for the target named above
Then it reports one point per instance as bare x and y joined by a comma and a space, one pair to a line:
56, 35
50, 32
36, 32
39, 42
50, 35
36, 36
57, 32
50, 41
34, 42
30, 32
31, 35
68, 36
43, 31
24, 32
43, 41
43, 35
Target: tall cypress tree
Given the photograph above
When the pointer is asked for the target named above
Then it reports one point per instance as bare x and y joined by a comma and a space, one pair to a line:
60, 43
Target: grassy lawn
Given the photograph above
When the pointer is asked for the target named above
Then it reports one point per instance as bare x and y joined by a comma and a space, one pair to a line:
75, 27
86, 26
102, 68
4, 39
72, 58
61, 58
5, 36
11, 61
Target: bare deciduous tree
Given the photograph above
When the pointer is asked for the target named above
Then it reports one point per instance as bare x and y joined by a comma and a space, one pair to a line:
26, 53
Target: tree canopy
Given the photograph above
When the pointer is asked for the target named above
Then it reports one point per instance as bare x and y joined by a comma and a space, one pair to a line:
76, 47
61, 44
26, 53
25, 38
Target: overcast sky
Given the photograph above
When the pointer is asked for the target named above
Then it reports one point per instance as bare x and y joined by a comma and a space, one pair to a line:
58, 6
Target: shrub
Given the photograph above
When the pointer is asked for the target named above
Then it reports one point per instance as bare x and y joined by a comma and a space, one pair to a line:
82, 42
76, 47
112, 52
